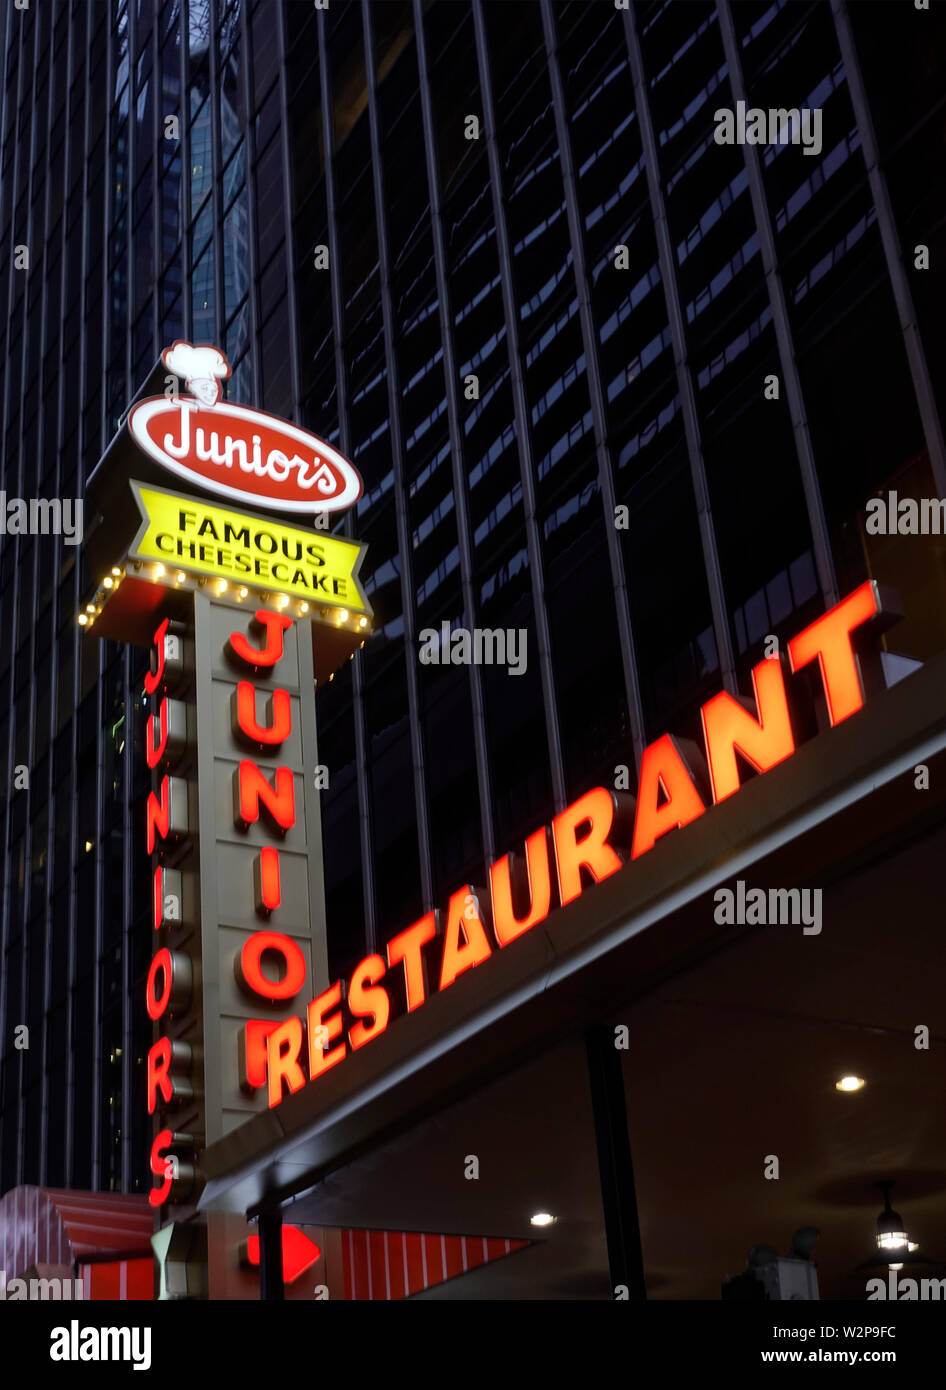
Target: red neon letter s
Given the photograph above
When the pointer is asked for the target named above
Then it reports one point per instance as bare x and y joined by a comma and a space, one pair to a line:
274, 625
366, 997
407, 947
160, 1168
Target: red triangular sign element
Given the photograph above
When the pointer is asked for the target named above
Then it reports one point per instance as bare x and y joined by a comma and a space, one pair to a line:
299, 1253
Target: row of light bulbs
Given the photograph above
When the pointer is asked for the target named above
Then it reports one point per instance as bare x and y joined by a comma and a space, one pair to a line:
221, 586
109, 583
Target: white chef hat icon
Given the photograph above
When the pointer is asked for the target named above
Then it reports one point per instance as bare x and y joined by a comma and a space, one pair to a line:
202, 369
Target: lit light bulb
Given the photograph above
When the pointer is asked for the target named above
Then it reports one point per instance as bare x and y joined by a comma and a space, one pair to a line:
180, 576
892, 1240
108, 582
850, 1083
83, 619
343, 616
542, 1218
363, 622
243, 593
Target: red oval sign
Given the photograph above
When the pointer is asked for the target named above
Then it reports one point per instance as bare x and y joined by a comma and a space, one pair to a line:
235, 451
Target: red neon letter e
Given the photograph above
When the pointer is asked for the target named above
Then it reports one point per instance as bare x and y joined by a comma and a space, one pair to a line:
367, 998
322, 1030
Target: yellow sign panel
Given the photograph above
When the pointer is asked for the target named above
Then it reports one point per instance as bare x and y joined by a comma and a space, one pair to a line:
189, 534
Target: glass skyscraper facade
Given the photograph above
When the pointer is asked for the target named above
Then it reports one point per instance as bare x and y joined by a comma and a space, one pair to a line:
606, 381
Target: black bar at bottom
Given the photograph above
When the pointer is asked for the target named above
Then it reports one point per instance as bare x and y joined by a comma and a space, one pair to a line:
616, 1172
270, 1255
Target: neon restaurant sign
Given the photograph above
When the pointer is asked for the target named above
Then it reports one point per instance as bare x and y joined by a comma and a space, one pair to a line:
244, 612
601, 833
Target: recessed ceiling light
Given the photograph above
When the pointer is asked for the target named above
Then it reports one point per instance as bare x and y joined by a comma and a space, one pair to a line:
850, 1083
542, 1218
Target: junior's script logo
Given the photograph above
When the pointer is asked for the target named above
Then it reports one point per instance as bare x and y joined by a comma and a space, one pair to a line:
233, 450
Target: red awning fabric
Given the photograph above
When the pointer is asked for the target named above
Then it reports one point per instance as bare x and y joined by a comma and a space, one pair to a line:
41, 1225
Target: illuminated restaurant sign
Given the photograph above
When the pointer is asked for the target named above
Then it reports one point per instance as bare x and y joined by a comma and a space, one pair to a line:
244, 615
235, 451
233, 546
250, 874
599, 834
232, 821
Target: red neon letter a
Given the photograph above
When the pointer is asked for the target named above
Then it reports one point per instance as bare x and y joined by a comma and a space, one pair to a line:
663, 770
464, 939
